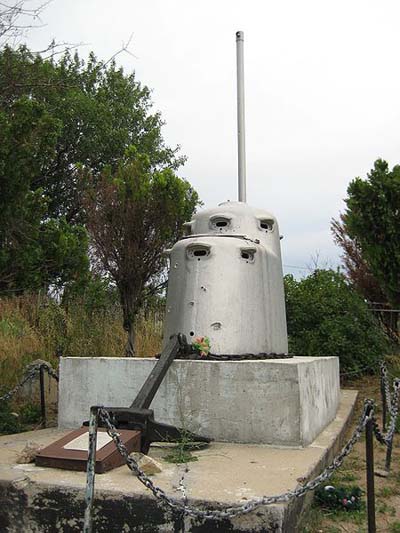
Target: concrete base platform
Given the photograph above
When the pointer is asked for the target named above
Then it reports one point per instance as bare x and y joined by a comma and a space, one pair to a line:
45, 500
282, 402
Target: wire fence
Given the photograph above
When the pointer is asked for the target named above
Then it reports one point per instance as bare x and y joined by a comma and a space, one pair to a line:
388, 318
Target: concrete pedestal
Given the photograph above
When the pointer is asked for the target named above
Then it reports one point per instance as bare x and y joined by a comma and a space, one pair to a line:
281, 402
45, 500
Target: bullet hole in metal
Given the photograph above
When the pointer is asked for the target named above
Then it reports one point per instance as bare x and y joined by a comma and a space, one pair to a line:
201, 253
203, 288
245, 255
216, 325
191, 333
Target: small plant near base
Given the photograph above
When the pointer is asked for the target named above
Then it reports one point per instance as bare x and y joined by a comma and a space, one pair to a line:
179, 455
182, 452
339, 498
30, 413
394, 527
9, 421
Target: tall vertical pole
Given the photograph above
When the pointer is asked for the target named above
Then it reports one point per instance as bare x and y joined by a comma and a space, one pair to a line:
369, 447
91, 470
240, 116
42, 397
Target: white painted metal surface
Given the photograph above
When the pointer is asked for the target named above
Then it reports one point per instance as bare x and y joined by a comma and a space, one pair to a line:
226, 282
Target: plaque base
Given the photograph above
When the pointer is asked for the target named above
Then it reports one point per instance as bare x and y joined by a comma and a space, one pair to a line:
71, 452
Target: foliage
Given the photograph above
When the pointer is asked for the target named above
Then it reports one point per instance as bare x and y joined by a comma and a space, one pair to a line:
133, 214
30, 413
38, 327
372, 220
57, 118
341, 497
356, 268
325, 316
9, 421
182, 451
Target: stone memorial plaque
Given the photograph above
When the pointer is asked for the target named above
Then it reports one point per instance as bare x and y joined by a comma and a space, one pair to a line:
82, 442
71, 452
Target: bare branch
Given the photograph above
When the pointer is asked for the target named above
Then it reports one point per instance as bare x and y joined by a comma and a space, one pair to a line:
124, 48
16, 19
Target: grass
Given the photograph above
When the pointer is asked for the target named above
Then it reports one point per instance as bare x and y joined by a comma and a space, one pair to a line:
387, 490
36, 327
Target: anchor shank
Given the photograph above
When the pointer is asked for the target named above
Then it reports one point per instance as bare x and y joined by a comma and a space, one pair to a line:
151, 385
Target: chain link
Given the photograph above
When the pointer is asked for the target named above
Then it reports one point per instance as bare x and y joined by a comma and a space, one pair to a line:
31, 371
249, 506
392, 402
385, 381
394, 411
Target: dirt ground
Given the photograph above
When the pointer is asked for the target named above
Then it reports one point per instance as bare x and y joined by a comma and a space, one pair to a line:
353, 473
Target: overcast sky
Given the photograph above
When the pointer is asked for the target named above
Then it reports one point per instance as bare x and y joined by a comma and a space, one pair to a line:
322, 83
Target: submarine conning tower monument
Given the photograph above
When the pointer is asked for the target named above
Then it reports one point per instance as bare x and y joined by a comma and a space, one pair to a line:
226, 282
225, 277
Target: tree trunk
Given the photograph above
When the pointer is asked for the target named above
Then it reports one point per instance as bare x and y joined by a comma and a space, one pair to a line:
130, 343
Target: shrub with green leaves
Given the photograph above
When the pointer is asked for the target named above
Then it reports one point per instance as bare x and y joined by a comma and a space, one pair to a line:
325, 316
9, 421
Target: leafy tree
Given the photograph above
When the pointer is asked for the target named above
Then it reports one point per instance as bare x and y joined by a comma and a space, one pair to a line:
93, 113
326, 316
133, 214
372, 221
57, 118
356, 268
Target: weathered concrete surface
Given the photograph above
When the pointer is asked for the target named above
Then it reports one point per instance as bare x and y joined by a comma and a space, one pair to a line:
284, 402
45, 500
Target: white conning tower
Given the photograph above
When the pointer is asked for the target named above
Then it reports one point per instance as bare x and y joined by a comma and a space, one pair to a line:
226, 282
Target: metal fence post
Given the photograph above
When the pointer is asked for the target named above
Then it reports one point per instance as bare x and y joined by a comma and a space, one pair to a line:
369, 453
91, 470
42, 396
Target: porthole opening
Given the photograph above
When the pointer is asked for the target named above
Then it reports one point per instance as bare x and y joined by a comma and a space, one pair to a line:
266, 225
198, 252
247, 255
220, 223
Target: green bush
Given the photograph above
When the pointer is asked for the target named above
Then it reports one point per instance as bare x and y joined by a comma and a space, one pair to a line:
30, 413
325, 316
9, 421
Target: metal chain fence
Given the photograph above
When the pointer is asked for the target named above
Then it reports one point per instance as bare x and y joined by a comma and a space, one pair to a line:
31, 372
230, 511
391, 403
